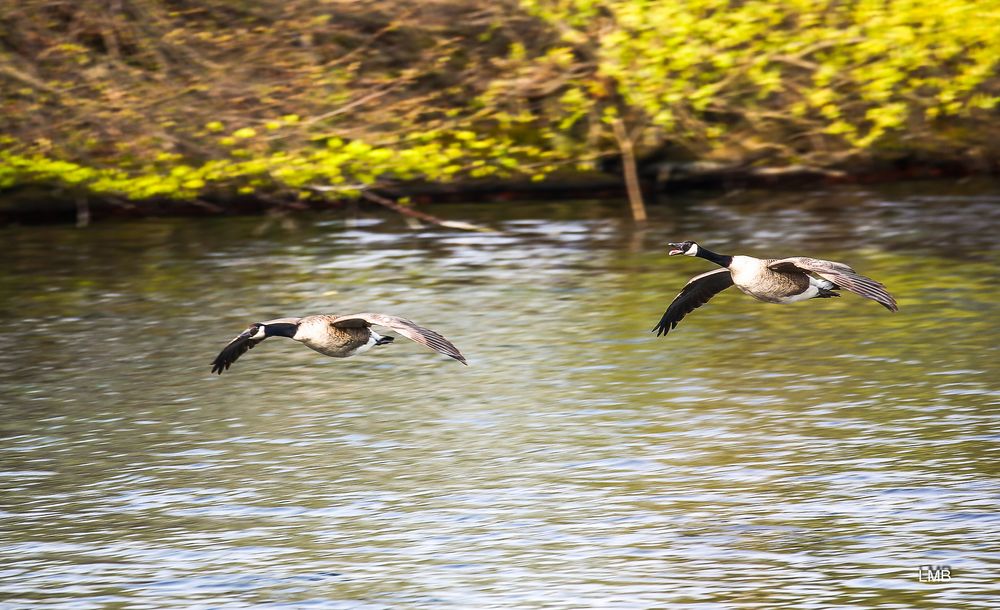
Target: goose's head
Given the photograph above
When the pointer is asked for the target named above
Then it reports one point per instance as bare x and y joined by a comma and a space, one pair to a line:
687, 248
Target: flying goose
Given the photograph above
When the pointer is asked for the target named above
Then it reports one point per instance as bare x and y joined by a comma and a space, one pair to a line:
782, 280
337, 336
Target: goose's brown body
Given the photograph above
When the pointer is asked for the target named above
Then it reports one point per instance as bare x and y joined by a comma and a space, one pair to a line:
770, 287
319, 333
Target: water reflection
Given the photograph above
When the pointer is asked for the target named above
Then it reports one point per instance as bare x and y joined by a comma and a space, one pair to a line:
811, 455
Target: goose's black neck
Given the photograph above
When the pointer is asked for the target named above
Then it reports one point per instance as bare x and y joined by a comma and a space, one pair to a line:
723, 260
280, 329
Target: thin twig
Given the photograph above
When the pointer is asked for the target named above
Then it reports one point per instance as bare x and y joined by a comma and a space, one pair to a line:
361, 100
405, 211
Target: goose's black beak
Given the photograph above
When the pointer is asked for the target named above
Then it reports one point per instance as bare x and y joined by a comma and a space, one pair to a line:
676, 249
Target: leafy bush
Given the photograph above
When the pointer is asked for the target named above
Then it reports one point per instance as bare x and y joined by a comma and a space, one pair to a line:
172, 98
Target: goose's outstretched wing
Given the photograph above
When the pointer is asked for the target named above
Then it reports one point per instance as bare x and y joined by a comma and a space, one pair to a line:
408, 329
695, 293
236, 348
841, 275
242, 343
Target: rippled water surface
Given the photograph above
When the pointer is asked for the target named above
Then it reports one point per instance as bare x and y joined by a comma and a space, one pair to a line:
807, 456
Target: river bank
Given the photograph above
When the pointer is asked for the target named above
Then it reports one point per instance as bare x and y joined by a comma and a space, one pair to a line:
45, 204
143, 108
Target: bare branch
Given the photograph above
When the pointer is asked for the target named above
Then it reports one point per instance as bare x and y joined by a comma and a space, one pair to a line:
405, 211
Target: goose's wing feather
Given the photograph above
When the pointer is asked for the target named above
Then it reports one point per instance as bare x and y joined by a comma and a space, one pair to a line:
841, 275
695, 293
241, 344
408, 329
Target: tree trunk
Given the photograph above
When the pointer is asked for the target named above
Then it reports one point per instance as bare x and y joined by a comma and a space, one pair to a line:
630, 171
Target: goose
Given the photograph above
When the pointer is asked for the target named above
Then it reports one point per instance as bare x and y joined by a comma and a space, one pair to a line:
780, 280
331, 335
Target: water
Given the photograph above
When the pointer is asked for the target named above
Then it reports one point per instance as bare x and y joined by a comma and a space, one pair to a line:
807, 456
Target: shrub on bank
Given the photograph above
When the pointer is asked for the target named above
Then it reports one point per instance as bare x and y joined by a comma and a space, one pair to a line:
305, 98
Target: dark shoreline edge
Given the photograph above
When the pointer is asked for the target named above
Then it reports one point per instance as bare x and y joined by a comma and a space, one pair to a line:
33, 204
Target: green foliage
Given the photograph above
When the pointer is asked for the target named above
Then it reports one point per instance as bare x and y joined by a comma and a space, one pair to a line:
305, 98
804, 76
342, 167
